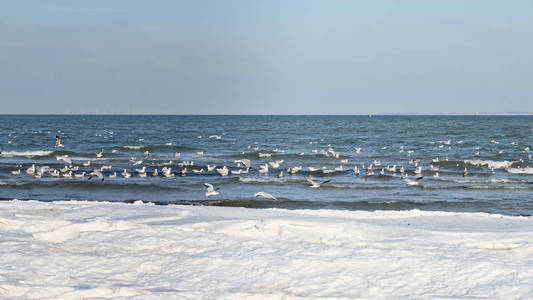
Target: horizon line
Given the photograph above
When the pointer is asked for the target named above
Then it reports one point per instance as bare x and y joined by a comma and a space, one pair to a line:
193, 114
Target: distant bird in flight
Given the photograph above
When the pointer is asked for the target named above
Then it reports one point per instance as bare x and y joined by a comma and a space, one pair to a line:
315, 184
265, 195
211, 191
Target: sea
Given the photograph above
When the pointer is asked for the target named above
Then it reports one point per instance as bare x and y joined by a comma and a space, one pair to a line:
359, 158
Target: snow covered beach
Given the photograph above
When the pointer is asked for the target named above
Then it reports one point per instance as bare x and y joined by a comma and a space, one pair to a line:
78, 249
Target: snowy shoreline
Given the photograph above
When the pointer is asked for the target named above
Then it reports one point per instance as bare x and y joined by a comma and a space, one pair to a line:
76, 249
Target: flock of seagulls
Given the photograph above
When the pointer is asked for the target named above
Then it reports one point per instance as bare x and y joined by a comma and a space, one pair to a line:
243, 166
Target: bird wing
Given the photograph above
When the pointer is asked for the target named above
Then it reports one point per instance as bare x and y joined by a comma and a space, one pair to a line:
245, 162
64, 158
264, 194
210, 187
324, 182
269, 196
310, 181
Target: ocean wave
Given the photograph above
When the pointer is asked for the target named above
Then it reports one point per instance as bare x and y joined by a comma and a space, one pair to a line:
93, 184
153, 148
29, 153
133, 147
490, 163
260, 180
493, 180
526, 170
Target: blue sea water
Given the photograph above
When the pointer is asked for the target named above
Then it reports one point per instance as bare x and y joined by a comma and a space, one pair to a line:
478, 143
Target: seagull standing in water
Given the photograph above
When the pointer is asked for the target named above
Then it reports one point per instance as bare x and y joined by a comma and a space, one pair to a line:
211, 191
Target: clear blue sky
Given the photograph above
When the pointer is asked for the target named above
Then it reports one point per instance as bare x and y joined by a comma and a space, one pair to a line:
266, 57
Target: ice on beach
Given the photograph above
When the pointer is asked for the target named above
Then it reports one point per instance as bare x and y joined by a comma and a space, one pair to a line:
139, 251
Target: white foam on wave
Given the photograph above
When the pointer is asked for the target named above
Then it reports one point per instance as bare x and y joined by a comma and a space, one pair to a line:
493, 180
490, 163
134, 147
526, 170
256, 180
30, 153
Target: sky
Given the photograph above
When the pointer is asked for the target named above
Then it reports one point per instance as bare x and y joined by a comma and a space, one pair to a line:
266, 57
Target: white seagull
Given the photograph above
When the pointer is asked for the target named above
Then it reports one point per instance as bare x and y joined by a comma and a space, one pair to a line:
211, 191
410, 182
96, 173
245, 162
265, 195
64, 158
315, 184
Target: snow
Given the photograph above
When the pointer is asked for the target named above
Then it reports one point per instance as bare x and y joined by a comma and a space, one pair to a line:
75, 250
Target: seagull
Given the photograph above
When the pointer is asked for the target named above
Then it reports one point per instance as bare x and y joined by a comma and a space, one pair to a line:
31, 170
418, 170
223, 171
218, 137
17, 172
275, 164
410, 182
265, 195
87, 164
64, 158
96, 173
125, 174
211, 191
155, 173
79, 175
114, 175
245, 162
295, 169
211, 168
263, 169
314, 184
100, 154
58, 142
